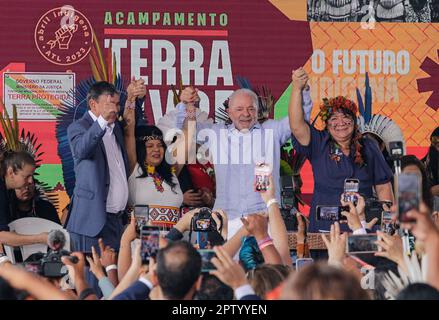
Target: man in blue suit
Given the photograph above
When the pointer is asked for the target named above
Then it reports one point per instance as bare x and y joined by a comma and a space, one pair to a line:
101, 191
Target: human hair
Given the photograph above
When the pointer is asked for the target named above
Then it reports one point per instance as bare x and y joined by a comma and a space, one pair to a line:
213, 288
247, 92
418, 291
164, 168
348, 108
409, 160
178, 268
433, 159
100, 88
6, 291
319, 281
266, 277
15, 160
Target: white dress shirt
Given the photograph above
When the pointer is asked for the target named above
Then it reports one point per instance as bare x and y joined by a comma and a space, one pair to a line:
117, 197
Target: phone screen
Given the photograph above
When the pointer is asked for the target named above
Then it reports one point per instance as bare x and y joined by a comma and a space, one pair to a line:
202, 239
331, 213
408, 194
351, 185
262, 173
362, 243
206, 257
436, 203
149, 237
141, 212
301, 262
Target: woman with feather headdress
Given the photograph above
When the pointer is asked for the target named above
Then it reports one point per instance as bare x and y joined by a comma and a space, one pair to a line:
336, 153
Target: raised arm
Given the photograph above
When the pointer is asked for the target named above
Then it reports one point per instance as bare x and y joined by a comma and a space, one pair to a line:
136, 89
298, 126
84, 142
36, 286
11, 238
278, 230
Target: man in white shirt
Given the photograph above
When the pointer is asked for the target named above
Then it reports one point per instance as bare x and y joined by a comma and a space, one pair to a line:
101, 190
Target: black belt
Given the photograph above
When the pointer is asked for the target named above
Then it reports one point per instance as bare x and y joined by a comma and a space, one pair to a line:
118, 214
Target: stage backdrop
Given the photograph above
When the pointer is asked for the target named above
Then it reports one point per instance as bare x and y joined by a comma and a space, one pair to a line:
45, 45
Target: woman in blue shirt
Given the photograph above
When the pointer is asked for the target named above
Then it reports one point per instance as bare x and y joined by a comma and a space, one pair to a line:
336, 153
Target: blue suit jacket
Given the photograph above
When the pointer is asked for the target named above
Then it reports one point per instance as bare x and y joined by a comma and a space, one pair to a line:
140, 291
88, 209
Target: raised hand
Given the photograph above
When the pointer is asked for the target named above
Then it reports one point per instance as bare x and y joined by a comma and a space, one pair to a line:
299, 78
336, 245
136, 89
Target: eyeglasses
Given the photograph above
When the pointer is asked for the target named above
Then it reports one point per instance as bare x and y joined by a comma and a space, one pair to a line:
334, 122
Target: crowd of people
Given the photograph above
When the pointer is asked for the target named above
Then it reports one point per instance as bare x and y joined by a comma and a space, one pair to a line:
209, 206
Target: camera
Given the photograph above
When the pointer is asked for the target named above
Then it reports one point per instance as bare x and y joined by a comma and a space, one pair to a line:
396, 150
290, 218
49, 265
202, 221
374, 209
288, 199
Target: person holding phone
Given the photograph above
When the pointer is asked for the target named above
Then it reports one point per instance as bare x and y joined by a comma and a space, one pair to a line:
336, 153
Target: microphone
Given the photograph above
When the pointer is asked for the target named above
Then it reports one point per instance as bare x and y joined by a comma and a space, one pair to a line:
56, 240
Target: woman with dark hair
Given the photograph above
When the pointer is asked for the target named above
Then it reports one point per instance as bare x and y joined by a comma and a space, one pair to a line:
152, 180
411, 164
16, 171
431, 161
336, 153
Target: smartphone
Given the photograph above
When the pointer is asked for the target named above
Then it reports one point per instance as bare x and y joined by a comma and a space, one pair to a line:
87, 254
396, 149
331, 213
408, 194
290, 218
141, 212
363, 243
387, 225
301, 262
202, 240
436, 204
374, 209
288, 199
351, 186
262, 174
149, 237
206, 257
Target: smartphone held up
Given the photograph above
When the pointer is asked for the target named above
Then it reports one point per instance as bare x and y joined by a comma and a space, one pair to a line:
149, 238
262, 177
408, 194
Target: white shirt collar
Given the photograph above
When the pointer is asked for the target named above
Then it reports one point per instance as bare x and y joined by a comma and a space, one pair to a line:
110, 127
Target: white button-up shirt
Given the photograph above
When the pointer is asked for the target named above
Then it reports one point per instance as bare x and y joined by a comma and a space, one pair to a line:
117, 197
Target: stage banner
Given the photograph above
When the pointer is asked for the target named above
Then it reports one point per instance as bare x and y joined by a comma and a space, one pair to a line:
210, 44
